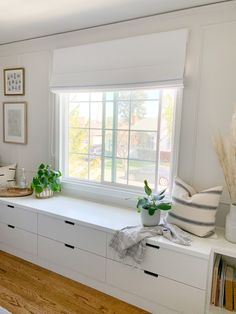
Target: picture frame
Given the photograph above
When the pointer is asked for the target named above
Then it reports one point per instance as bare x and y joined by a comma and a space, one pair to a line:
15, 122
14, 81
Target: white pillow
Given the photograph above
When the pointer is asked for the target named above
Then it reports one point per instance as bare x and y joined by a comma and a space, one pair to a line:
194, 211
7, 176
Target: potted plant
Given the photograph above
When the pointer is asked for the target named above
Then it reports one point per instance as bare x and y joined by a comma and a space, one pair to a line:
151, 205
46, 181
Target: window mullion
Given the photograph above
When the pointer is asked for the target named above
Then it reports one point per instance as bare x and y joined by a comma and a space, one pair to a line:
114, 137
158, 142
103, 136
89, 136
130, 103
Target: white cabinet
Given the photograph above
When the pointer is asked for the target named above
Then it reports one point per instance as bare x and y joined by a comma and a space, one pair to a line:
172, 294
73, 258
68, 231
181, 267
17, 217
18, 239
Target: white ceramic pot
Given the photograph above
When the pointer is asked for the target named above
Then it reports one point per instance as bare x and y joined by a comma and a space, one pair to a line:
230, 225
150, 220
45, 194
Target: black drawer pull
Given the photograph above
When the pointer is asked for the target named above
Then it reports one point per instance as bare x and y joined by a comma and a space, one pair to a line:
69, 222
11, 206
154, 246
150, 273
70, 246
11, 226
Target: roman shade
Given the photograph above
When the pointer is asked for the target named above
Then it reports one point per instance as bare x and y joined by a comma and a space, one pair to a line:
156, 58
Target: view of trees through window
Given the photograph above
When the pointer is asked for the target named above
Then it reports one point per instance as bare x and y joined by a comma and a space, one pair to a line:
119, 137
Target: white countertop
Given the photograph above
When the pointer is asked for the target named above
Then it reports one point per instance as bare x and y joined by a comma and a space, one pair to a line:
109, 218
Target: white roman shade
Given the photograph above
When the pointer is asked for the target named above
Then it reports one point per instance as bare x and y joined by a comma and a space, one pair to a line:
149, 59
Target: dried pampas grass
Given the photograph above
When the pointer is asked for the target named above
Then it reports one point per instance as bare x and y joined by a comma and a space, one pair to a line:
226, 152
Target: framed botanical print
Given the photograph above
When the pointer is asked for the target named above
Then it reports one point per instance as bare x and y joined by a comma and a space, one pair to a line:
14, 81
15, 122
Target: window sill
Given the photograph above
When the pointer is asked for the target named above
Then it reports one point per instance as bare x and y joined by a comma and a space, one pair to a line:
103, 194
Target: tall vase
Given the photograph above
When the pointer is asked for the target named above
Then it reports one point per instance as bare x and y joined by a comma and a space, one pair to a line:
230, 226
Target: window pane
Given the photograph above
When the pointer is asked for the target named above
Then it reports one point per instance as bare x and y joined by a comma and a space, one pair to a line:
98, 96
78, 140
78, 166
121, 171
108, 169
123, 115
145, 94
79, 115
140, 171
109, 96
95, 168
96, 115
122, 144
163, 175
143, 145
109, 115
108, 143
144, 115
77, 97
95, 142
123, 95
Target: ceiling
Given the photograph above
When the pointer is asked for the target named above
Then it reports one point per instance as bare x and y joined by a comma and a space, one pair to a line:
24, 19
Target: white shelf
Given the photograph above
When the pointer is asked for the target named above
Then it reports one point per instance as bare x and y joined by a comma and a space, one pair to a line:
217, 310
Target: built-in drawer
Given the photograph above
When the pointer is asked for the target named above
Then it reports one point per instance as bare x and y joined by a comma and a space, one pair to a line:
21, 218
18, 238
66, 255
68, 231
182, 267
172, 294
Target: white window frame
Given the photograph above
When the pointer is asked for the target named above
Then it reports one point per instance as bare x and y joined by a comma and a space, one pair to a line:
110, 194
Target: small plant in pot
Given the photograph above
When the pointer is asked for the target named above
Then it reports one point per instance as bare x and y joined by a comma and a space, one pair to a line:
46, 181
151, 205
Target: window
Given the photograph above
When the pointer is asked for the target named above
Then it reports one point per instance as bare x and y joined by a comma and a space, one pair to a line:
118, 138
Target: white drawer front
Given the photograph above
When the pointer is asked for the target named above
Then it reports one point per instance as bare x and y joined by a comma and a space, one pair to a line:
19, 239
75, 259
178, 266
18, 217
169, 293
171, 264
68, 231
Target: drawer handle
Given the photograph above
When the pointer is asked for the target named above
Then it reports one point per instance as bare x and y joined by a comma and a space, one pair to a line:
11, 206
154, 246
69, 222
11, 226
70, 246
150, 273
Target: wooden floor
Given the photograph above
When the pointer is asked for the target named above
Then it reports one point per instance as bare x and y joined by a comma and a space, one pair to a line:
27, 288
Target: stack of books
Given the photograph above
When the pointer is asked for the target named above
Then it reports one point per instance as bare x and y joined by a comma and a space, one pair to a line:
223, 291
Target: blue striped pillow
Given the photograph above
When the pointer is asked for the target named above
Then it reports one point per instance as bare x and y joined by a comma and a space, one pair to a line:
194, 211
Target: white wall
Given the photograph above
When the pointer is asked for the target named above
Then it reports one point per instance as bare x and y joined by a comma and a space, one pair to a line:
209, 94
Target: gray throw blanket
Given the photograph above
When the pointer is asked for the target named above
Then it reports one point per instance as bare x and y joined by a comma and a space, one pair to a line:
131, 241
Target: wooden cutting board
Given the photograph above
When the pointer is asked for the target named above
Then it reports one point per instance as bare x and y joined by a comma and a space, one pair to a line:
15, 192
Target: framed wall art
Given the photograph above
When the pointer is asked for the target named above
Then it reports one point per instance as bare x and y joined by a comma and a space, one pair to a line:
15, 122
14, 81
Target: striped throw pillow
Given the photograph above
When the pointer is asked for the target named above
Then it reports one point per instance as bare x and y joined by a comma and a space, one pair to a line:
7, 176
194, 211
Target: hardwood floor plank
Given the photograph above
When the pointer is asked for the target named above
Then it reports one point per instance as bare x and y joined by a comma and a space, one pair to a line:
29, 289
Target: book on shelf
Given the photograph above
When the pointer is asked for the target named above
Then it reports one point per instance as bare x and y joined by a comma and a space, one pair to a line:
229, 277
234, 290
222, 284
215, 278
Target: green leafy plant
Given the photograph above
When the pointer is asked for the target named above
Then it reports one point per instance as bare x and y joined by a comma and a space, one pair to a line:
45, 178
152, 202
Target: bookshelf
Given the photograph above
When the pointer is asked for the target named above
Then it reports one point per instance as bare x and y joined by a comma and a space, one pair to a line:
228, 256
